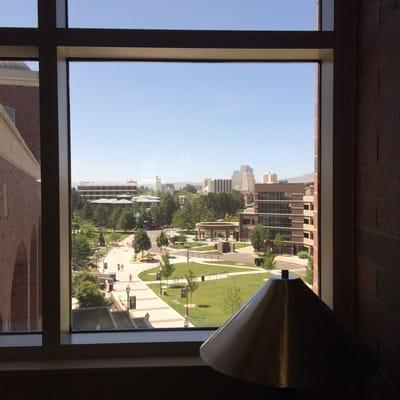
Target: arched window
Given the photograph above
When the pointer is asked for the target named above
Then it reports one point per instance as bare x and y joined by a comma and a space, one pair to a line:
19, 291
33, 282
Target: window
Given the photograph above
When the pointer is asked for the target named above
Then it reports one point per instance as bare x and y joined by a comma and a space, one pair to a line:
184, 124
20, 173
18, 13
150, 46
195, 14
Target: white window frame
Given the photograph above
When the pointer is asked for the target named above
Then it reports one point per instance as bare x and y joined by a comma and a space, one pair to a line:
53, 44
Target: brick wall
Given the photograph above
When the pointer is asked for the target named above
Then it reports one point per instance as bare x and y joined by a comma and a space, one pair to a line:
377, 303
25, 101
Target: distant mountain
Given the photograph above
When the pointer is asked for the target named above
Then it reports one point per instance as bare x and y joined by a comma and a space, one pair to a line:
303, 178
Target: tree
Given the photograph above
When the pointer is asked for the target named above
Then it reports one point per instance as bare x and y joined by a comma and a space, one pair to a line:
126, 220
77, 202
101, 215
141, 241
192, 285
89, 294
278, 242
167, 208
86, 211
81, 250
269, 260
259, 237
115, 216
189, 189
310, 270
162, 240
232, 300
167, 269
101, 240
80, 277
156, 216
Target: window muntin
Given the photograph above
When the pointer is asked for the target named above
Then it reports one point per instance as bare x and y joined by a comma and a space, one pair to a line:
20, 198
195, 14
204, 94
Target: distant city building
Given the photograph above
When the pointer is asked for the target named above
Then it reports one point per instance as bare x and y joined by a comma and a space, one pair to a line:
182, 199
270, 177
168, 188
157, 185
216, 186
243, 179
285, 208
237, 181
248, 180
143, 199
107, 190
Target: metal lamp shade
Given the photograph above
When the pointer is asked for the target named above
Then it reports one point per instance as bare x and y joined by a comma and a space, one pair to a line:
286, 337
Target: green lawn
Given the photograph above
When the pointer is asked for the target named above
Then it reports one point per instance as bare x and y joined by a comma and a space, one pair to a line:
240, 245
210, 297
185, 245
89, 230
182, 268
237, 263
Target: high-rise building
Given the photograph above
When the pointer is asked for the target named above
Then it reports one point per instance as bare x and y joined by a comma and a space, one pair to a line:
248, 180
157, 185
270, 177
216, 186
284, 208
168, 188
237, 180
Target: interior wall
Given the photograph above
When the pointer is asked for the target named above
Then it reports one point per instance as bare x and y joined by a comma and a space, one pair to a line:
377, 305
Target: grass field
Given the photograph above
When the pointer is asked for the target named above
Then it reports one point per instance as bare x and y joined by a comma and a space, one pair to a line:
182, 268
186, 245
210, 298
92, 233
240, 245
236, 263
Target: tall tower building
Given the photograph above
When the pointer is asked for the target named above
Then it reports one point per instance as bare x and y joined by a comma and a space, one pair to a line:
248, 180
270, 177
237, 180
157, 185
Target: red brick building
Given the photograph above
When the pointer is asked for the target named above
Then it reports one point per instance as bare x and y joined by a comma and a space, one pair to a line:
20, 230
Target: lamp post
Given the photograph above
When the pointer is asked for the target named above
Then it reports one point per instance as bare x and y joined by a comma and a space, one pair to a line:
160, 280
128, 289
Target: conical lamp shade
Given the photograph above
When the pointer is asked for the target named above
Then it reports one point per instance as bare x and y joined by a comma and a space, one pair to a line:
286, 337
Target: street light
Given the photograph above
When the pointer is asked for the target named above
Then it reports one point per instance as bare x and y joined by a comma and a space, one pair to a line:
128, 289
160, 279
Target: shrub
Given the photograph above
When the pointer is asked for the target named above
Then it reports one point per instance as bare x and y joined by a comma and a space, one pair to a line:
302, 254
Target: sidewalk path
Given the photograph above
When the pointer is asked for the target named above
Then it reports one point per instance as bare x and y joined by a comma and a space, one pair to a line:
161, 314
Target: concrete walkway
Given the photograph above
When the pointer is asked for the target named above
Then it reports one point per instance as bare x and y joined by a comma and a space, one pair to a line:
161, 314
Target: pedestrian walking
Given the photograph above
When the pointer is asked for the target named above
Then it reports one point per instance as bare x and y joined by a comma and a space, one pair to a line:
118, 267
130, 277
122, 267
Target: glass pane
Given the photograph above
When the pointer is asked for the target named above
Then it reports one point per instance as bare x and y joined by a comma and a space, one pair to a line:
20, 198
19, 14
174, 167
195, 14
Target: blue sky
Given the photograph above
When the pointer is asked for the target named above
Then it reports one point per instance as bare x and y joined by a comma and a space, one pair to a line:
187, 121
179, 14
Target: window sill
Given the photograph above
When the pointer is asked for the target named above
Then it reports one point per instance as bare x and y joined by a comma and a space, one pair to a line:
21, 340
138, 337
39, 366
